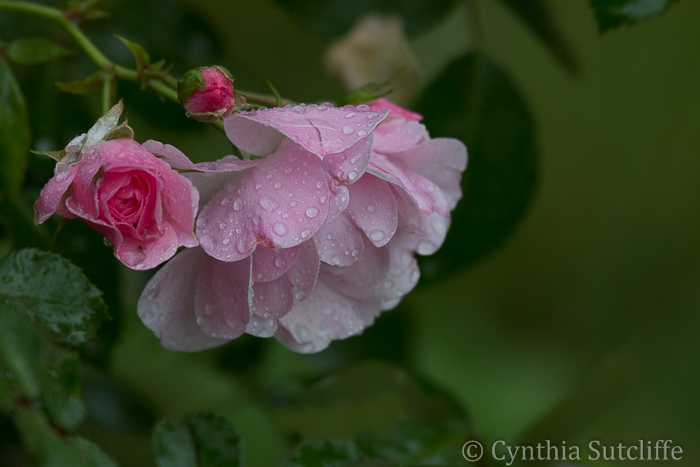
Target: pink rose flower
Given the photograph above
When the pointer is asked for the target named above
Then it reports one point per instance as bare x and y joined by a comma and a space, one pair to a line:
138, 202
313, 241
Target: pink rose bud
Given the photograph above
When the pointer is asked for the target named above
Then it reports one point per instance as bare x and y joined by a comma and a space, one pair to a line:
206, 93
137, 201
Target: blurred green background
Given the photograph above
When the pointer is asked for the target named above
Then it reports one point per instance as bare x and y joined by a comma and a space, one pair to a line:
583, 326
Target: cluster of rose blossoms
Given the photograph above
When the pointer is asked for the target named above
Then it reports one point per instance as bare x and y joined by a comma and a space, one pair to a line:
307, 242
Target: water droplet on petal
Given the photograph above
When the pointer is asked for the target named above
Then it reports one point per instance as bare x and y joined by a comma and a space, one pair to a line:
277, 185
348, 130
280, 229
311, 212
350, 115
370, 208
376, 235
238, 204
280, 262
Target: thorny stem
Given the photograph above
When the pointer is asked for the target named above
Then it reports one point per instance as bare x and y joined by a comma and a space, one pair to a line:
162, 83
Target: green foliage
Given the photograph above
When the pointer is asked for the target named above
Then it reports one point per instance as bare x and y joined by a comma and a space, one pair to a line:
334, 17
476, 101
90, 84
537, 15
375, 412
35, 50
54, 292
200, 440
143, 60
14, 132
612, 14
47, 448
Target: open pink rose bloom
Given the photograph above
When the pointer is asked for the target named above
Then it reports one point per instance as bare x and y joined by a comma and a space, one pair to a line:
138, 202
313, 240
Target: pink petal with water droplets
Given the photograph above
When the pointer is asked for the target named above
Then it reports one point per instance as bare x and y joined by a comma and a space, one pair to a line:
277, 204
396, 110
321, 130
348, 166
369, 270
52, 194
339, 198
166, 305
323, 317
397, 134
425, 194
339, 242
272, 300
222, 297
372, 208
303, 274
424, 234
269, 264
261, 327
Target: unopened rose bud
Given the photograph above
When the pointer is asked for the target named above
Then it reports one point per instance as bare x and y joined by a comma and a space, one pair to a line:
206, 93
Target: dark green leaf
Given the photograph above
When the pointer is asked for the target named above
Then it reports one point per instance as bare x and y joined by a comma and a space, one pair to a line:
20, 355
476, 101
614, 13
52, 291
334, 17
14, 132
201, 440
537, 15
373, 397
90, 84
47, 448
61, 389
323, 453
35, 50
143, 60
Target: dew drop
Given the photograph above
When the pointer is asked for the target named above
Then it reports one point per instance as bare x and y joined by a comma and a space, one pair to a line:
238, 204
280, 229
350, 115
348, 130
370, 208
277, 185
311, 212
376, 235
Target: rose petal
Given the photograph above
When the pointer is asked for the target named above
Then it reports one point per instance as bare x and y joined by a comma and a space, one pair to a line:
323, 317
396, 110
339, 242
348, 166
53, 192
372, 208
397, 134
278, 204
303, 274
222, 297
321, 129
166, 305
269, 264
272, 300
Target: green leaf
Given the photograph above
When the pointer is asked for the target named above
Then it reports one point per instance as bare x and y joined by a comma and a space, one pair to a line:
143, 60
35, 50
54, 292
334, 17
201, 440
20, 355
14, 132
47, 448
322, 453
374, 398
61, 389
90, 84
476, 101
538, 16
614, 13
